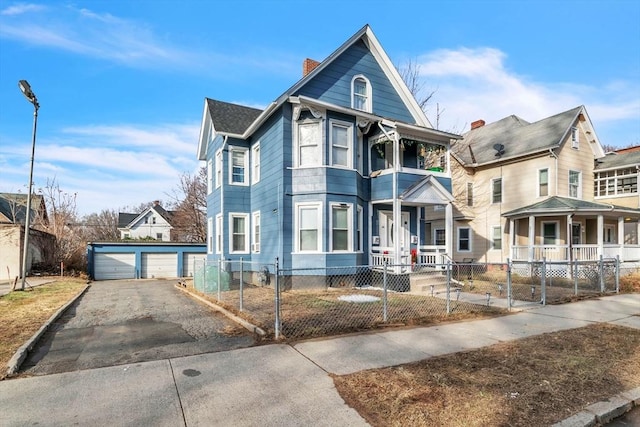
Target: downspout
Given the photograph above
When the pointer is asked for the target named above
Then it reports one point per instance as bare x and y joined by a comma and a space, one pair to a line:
555, 177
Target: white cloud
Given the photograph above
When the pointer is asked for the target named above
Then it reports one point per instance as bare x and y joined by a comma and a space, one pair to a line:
21, 8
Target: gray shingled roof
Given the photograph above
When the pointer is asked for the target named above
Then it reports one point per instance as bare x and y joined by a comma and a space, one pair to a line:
231, 118
557, 204
518, 137
15, 204
618, 160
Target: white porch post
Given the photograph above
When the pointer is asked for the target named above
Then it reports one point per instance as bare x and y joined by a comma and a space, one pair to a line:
512, 237
600, 235
397, 217
448, 229
569, 254
621, 237
532, 236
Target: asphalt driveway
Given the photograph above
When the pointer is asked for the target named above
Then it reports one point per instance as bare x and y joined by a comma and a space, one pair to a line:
127, 321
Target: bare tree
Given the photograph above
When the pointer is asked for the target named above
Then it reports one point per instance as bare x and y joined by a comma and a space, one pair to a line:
189, 203
410, 74
101, 227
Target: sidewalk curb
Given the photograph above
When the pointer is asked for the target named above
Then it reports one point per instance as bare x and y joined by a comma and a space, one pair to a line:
249, 326
602, 412
18, 357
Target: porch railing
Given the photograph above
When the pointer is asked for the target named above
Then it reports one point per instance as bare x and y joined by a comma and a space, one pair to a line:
578, 252
426, 255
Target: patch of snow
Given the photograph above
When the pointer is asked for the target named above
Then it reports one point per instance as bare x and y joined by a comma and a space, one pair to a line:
358, 298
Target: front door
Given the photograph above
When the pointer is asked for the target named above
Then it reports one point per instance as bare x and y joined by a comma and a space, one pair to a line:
387, 230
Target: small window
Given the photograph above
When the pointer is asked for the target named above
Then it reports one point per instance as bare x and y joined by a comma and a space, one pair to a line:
496, 192
153, 220
239, 169
218, 168
255, 158
159, 236
496, 238
543, 182
575, 138
361, 94
218, 233
308, 220
464, 239
340, 227
256, 232
239, 232
469, 193
575, 184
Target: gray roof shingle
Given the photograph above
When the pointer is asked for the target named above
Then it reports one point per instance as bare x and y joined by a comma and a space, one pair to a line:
231, 118
618, 160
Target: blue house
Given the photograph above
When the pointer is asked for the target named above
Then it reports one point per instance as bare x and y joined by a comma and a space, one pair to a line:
338, 171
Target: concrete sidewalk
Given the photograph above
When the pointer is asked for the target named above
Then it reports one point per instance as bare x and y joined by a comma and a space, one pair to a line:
272, 385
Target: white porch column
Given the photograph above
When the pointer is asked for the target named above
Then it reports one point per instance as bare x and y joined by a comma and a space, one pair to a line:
569, 254
448, 229
621, 237
397, 206
532, 236
600, 235
512, 237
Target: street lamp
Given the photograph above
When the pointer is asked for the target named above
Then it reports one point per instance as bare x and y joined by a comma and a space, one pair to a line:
31, 97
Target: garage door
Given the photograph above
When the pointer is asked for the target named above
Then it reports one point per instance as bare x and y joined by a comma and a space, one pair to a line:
188, 261
114, 266
159, 265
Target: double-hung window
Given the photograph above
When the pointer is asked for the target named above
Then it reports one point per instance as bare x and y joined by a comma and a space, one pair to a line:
239, 169
309, 141
575, 184
210, 235
256, 232
496, 238
550, 233
239, 233
439, 237
496, 190
218, 168
361, 93
543, 182
218, 233
255, 159
341, 144
464, 239
308, 225
209, 176
575, 138
341, 227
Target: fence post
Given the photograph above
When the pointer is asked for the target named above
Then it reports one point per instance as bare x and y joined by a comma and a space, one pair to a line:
617, 274
384, 292
601, 270
509, 291
277, 288
543, 280
575, 277
220, 261
241, 281
448, 286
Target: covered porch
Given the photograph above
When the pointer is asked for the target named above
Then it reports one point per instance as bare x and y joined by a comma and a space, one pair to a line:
566, 230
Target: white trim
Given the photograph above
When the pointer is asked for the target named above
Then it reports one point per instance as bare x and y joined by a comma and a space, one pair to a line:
245, 155
210, 235
296, 142
255, 163
246, 232
218, 168
359, 229
579, 189
540, 182
368, 102
349, 208
218, 237
557, 233
255, 222
209, 176
575, 137
319, 228
493, 180
349, 147
493, 238
458, 239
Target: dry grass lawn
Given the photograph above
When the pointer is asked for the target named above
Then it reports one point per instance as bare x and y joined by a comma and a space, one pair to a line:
22, 313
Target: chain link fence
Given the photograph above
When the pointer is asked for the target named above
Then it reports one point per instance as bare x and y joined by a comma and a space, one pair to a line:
312, 302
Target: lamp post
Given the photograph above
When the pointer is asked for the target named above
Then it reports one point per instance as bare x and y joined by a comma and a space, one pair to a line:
31, 97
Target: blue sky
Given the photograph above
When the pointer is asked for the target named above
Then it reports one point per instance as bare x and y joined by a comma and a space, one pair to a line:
121, 84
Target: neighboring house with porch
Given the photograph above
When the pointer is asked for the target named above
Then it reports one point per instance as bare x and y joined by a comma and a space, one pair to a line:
525, 191
152, 223
336, 171
13, 208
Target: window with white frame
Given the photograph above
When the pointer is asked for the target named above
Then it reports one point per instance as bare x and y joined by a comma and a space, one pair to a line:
464, 239
575, 184
218, 233
575, 137
341, 227
496, 190
439, 237
616, 182
209, 176
359, 224
308, 220
550, 233
210, 235
239, 242
496, 237
361, 93
256, 232
309, 143
218, 168
239, 170
543, 182
341, 143
255, 161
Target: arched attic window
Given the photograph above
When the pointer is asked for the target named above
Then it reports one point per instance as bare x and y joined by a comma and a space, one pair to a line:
361, 93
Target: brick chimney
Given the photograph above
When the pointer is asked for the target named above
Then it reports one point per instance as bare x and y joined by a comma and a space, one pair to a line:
477, 124
308, 65
156, 202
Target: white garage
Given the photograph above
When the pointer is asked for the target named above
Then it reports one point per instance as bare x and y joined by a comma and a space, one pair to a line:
191, 261
109, 266
157, 265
